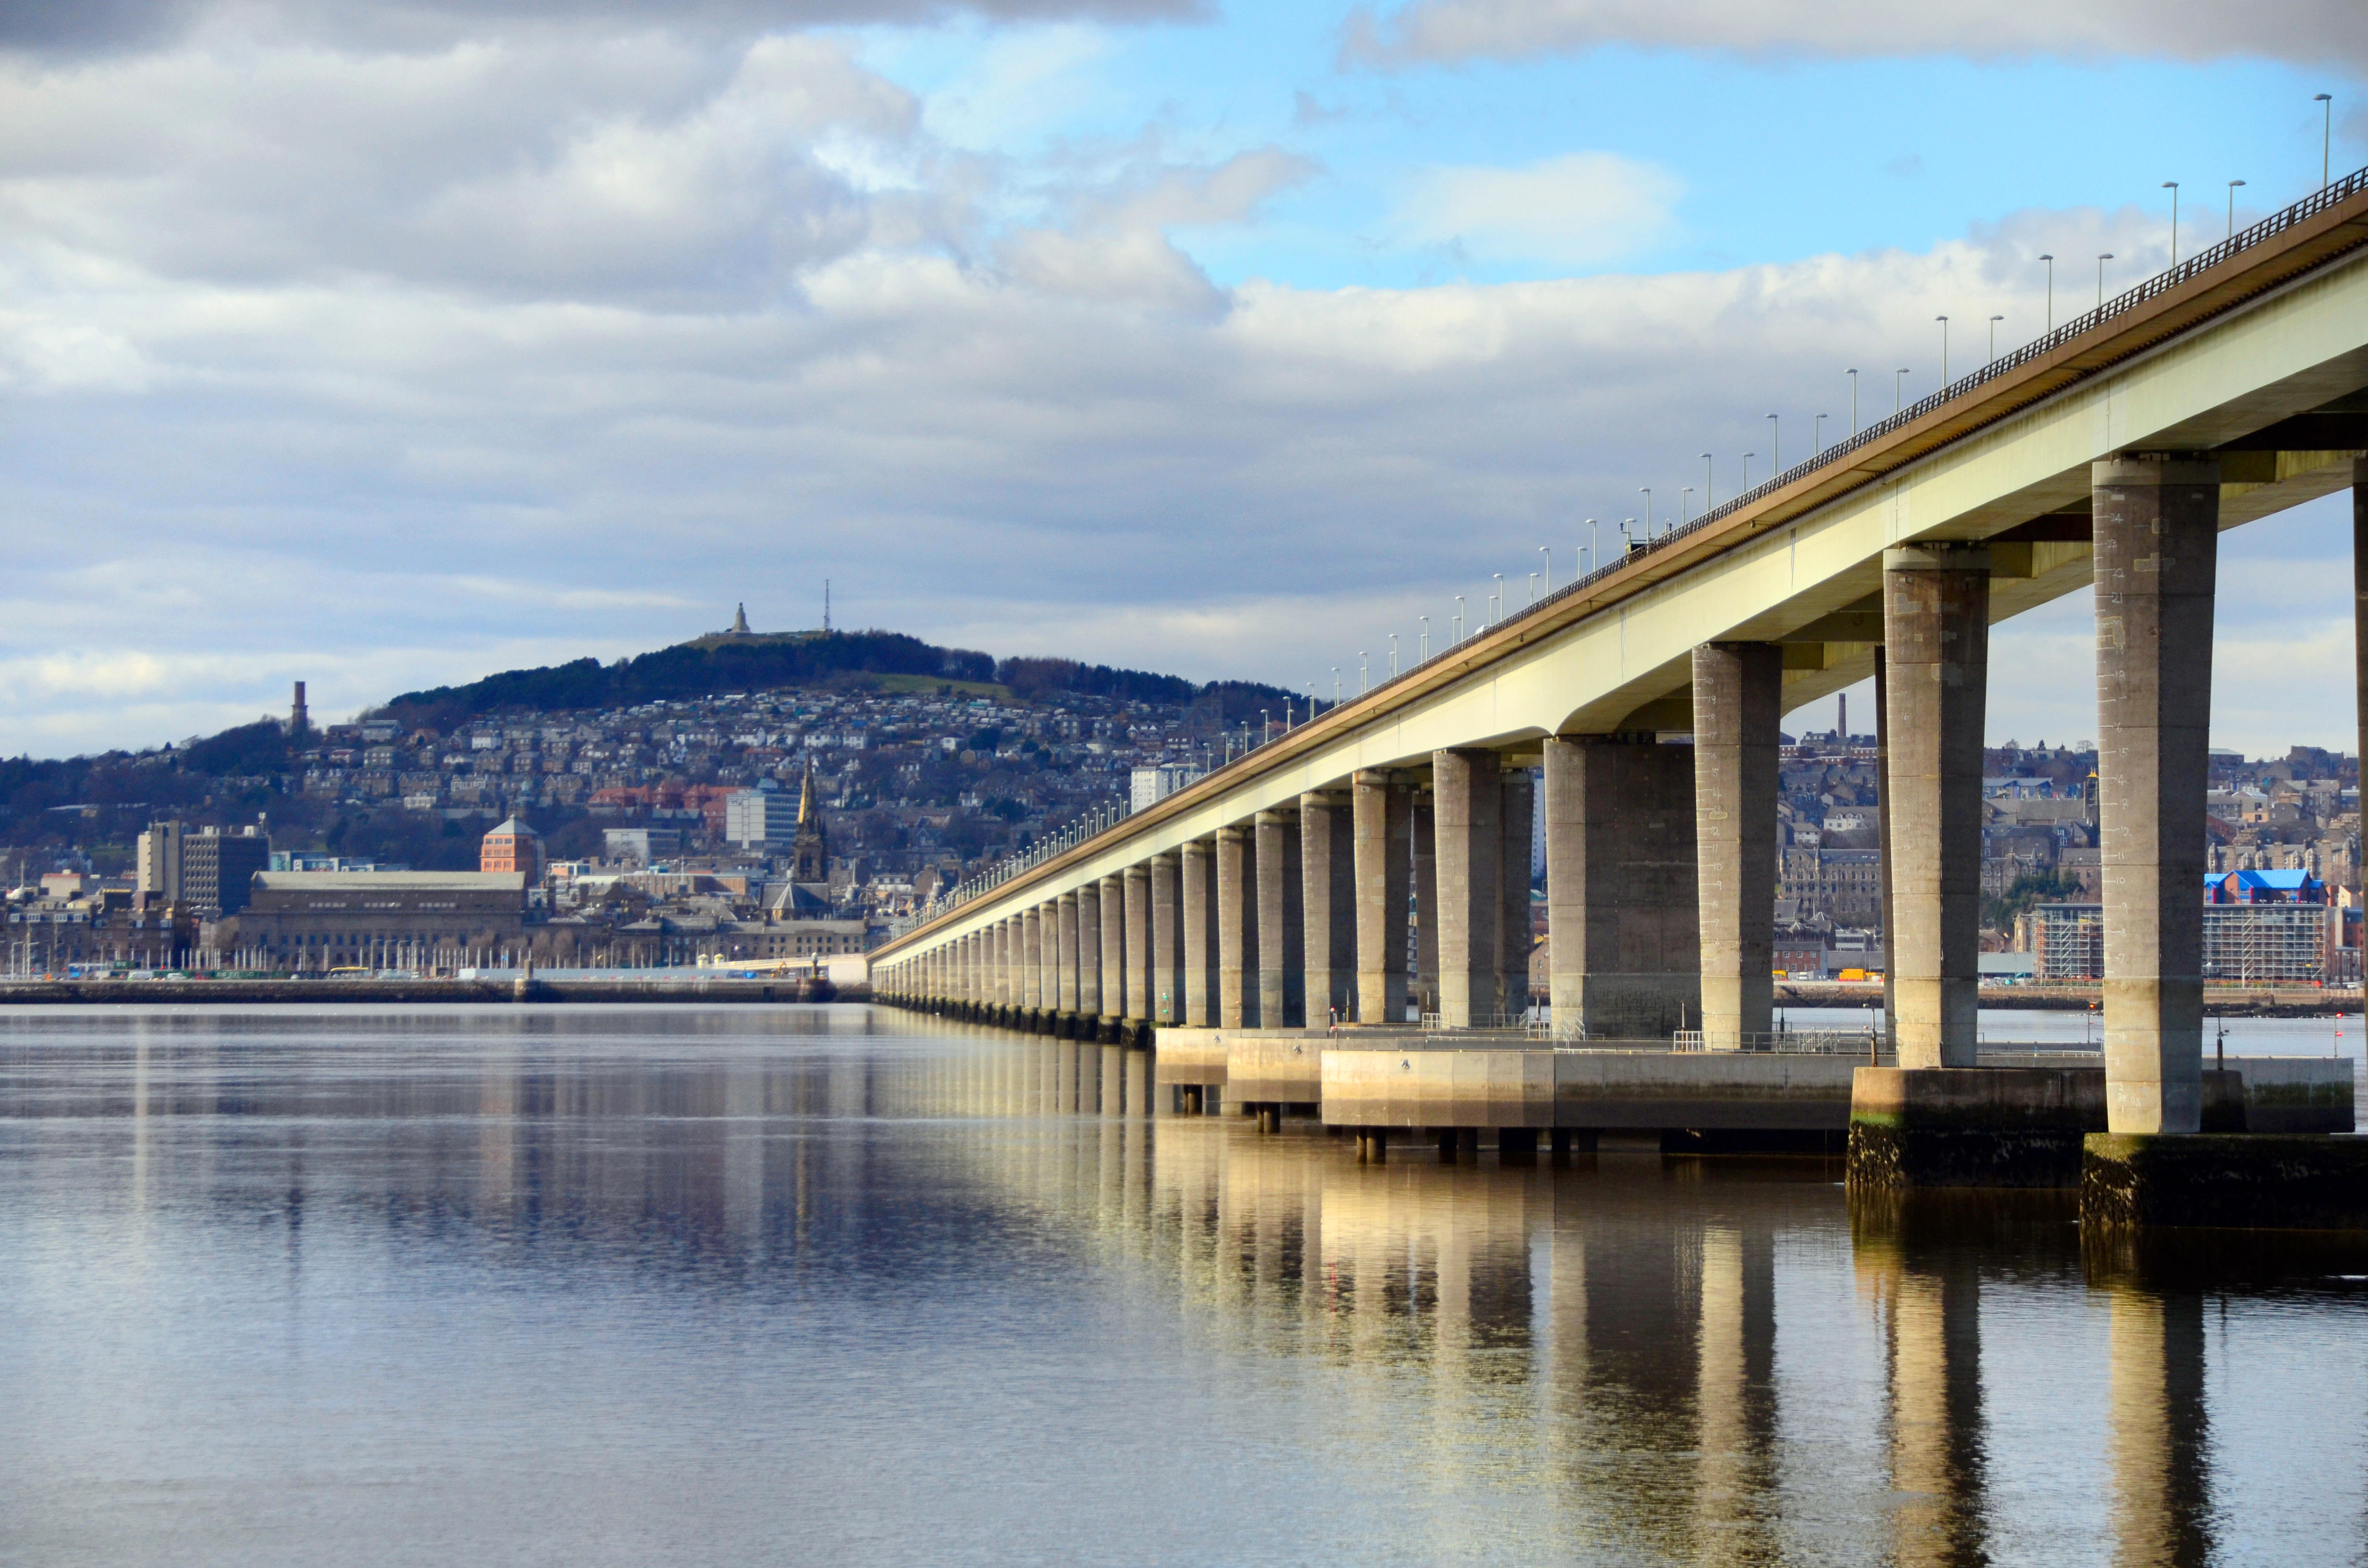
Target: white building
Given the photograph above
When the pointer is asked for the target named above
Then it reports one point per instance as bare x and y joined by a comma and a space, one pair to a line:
760, 816
1152, 785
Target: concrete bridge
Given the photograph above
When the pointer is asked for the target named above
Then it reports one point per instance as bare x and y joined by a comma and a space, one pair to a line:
1272, 893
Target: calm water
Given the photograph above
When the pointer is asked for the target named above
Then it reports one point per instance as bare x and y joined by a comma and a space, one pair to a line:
825, 1285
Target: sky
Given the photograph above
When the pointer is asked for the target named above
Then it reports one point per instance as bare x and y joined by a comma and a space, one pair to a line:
383, 344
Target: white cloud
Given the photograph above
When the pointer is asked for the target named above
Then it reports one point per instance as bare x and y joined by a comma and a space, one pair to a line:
1576, 209
1449, 31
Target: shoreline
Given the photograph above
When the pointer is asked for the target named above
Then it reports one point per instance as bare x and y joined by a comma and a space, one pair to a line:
379, 993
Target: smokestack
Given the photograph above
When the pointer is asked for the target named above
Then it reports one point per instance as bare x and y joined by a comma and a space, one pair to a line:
298, 721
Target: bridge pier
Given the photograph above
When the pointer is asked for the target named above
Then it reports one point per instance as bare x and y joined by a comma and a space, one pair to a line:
1199, 862
1382, 806
1425, 899
1517, 813
1238, 932
1936, 600
1031, 959
1111, 893
1137, 881
1089, 954
1327, 902
1167, 940
1623, 934
1471, 847
1281, 920
1065, 960
1739, 698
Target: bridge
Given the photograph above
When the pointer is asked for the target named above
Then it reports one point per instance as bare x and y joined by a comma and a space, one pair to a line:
1272, 892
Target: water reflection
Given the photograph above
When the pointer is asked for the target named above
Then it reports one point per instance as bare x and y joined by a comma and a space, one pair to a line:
1211, 1344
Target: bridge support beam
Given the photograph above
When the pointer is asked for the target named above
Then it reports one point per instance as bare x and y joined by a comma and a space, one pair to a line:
1167, 940
1383, 803
1469, 787
1238, 932
1200, 868
2157, 538
1936, 603
1425, 899
1281, 921
1031, 959
1623, 934
1739, 698
1071, 989
2360, 593
1049, 958
1111, 892
1518, 815
1136, 880
1328, 891
1090, 955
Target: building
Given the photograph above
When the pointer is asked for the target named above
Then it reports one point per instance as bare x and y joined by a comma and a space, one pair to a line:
208, 869
512, 846
645, 846
2244, 944
809, 849
760, 816
2068, 941
299, 718
1152, 785
319, 920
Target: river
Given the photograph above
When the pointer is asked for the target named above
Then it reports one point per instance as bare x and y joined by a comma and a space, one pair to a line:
831, 1284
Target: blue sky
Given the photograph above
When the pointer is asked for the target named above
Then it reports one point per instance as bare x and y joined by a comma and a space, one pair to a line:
389, 342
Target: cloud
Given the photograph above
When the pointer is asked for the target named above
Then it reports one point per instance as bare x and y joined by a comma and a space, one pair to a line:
1453, 31
1576, 209
80, 29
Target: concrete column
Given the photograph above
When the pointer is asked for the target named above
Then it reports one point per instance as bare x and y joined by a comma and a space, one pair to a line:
1883, 833
1739, 697
1282, 915
1113, 901
1198, 862
1328, 892
1066, 963
1518, 815
1623, 935
1137, 879
2359, 596
1383, 805
1237, 933
1050, 914
1089, 951
998, 959
1470, 790
2157, 538
1936, 618
1031, 958
1425, 899
1167, 940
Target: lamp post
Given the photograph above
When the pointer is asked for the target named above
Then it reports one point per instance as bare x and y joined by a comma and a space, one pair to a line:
2326, 139
1896, 378
1426, 637
2051, 292
1817, 434
1336, 686
1594, 547
1775, 446
1993, 354
2102, 257
1685, 496
1853, 376
1533, 590
1364, 673
1707, 502
1646, 491
1458, 617
1496, 599
2172, 186
1394, 655
1746, 471
1547, 550
2232, 207
1945, 350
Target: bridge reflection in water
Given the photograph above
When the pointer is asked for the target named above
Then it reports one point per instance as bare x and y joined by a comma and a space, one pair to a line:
1629, 1357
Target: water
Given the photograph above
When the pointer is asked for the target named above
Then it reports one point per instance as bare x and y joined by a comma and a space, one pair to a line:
645, 1285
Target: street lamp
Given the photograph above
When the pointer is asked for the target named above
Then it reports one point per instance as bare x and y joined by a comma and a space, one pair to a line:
2232, 207
1896, 376
1853, 376
1684, 495
1364, 673
1706, 495
1426, 637
1817, 434
1945, 350
1394, 655
1993, 355
1646, 491
2326, 139
2172, 186
1775, 445
1547, 550
1534, 589
1336, 686
1746, 471
2102, 257
2051, 292
1496, 599
1458, 617
1594, 547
